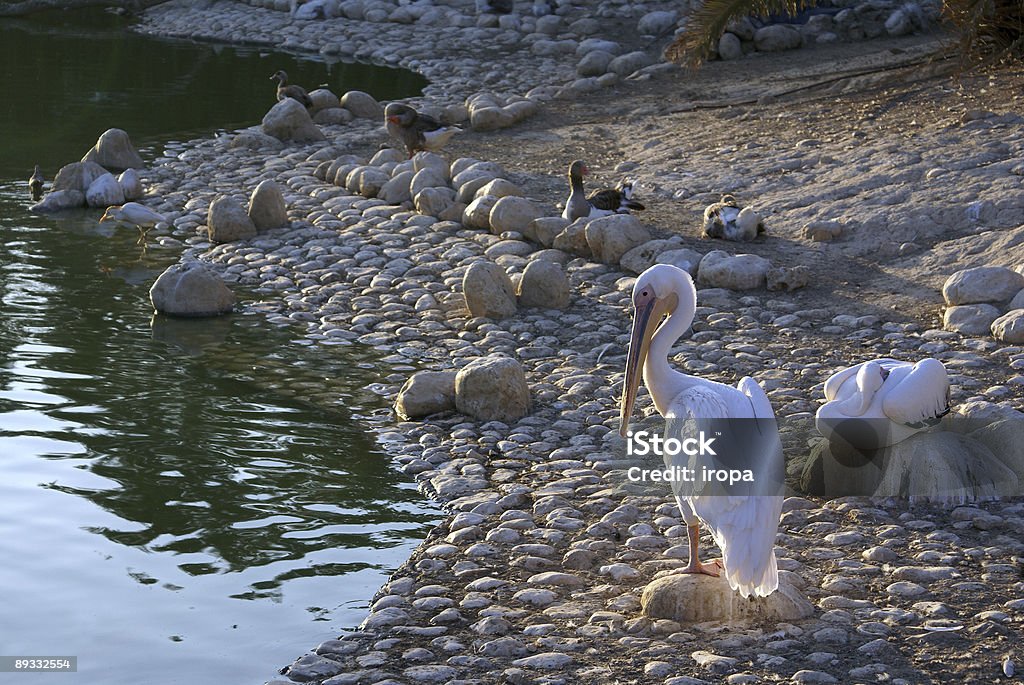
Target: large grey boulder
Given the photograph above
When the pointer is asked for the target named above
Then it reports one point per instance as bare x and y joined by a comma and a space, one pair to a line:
719, 269
478, 213
729, 46
545, 229
982, 284
57, 200
492, 389
1009, 327
610, 237
684, 258
656, 23
573, 238
131, 184
191, 289
362, 105
289, 121
104, 192
266, 206
511, 213
543, 284
396, 191
696, 598
77, 176
425, 393
228, 221
434, 201
624, 65
366, 180
971, 319
114, 152
777, 37
488, 291
427, 177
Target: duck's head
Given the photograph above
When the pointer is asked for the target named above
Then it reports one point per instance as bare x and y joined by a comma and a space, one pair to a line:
578, 169
397, 113
280, 77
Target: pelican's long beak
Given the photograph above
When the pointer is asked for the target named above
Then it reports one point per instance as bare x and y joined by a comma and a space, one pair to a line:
646, 318
107, 216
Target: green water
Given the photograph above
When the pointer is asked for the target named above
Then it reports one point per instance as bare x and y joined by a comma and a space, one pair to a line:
170, 512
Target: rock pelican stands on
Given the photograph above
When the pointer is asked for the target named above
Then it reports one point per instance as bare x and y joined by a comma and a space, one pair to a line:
133, 214
416, 131
599, 203
744, 527
882, 402
35, 184
286, 91
727, 220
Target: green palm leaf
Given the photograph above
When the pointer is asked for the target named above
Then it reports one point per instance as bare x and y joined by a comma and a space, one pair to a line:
708, 22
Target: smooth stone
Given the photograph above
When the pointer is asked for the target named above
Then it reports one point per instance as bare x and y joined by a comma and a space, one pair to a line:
692, 598
191, 289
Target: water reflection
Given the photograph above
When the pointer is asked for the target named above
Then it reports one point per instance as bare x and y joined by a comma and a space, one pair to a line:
179, 501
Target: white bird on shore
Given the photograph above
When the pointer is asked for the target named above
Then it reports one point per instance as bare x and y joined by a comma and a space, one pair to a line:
133, 214
881, 402
600, 202
743, 526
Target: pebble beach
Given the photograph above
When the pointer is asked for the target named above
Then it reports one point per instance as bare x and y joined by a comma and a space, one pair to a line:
537, 573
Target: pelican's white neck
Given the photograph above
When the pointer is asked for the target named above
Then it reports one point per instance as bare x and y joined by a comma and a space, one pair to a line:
663, 382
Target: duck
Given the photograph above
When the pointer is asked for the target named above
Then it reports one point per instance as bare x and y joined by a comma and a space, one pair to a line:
415, 130
882, 402
294, 92
617, 200
35, 184
727, 220
133, 214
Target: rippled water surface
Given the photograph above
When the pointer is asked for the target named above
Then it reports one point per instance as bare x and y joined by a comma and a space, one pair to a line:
180, 501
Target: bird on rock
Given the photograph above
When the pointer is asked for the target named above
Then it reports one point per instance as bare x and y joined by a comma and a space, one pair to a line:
35, 184
881, 402
416, 131
743, 520
133, 214
286, 91
617, 200
727, 220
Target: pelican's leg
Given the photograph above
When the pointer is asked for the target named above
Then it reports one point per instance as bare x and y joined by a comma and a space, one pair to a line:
712, 569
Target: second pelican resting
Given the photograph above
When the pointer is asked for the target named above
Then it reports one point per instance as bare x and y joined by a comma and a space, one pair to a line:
743, 526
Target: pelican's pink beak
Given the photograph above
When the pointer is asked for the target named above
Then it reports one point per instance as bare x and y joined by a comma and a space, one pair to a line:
648, 312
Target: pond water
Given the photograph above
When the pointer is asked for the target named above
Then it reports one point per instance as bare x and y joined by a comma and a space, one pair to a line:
180, 501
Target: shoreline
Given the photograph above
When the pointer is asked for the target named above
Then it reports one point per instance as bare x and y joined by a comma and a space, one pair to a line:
533, 496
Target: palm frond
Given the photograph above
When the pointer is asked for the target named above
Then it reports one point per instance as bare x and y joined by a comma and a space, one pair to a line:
708, 22
987, 30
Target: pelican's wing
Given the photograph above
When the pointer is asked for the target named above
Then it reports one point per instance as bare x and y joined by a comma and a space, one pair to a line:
836, 380
921, 397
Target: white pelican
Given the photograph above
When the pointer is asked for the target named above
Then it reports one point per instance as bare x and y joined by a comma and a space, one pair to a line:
416, 131
882, 402
133, 214
727, 220
600, 202
744, 527
294, 92
35, 184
